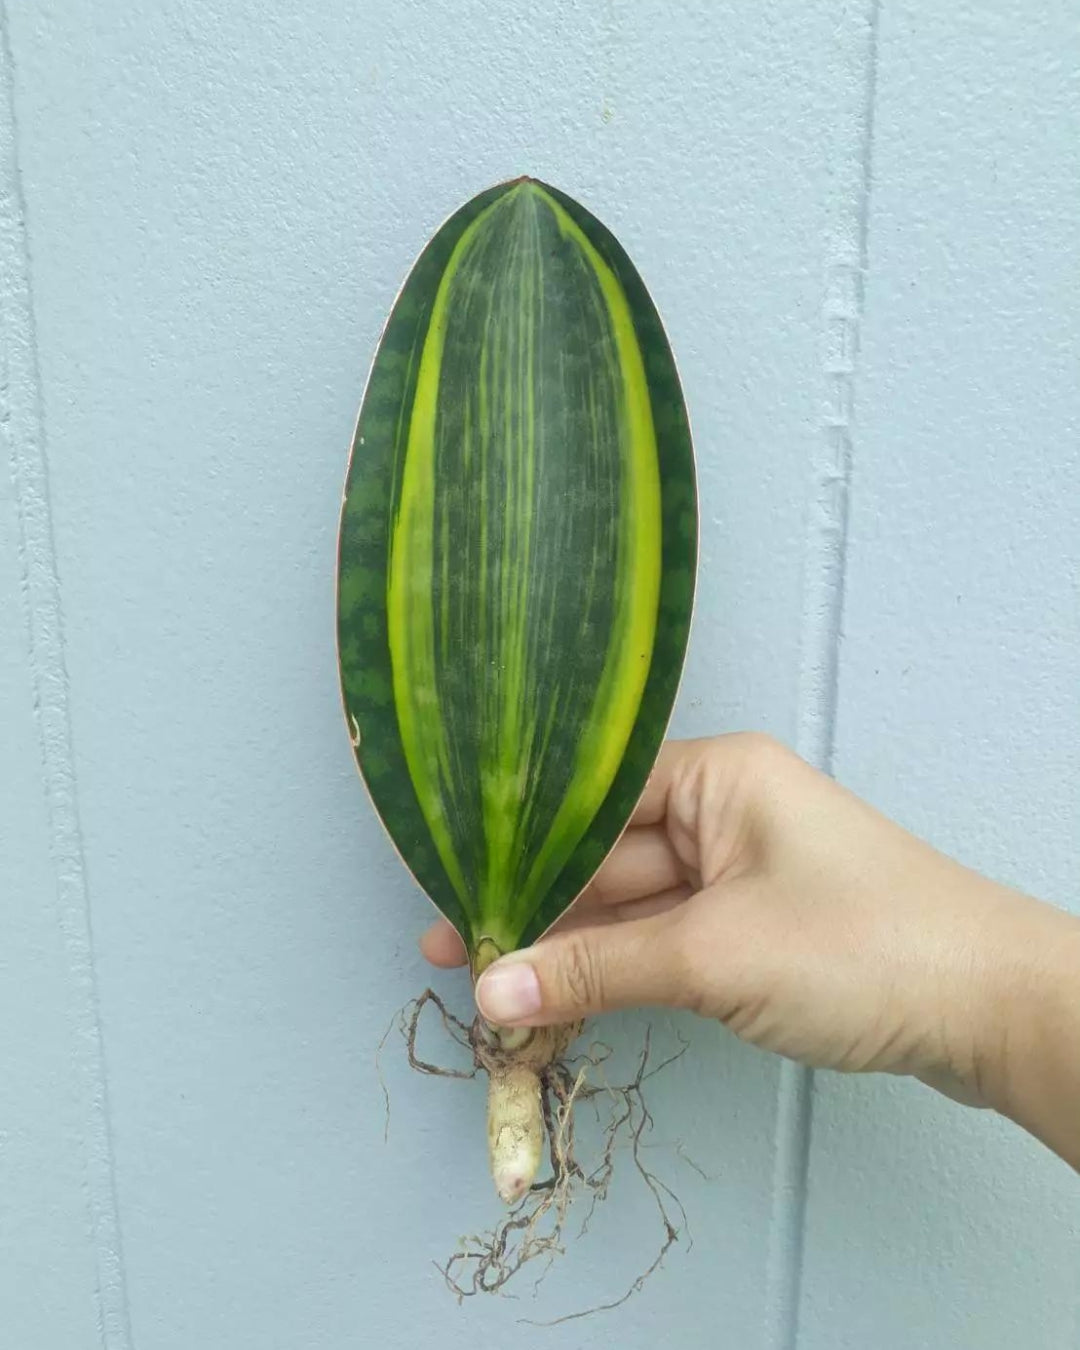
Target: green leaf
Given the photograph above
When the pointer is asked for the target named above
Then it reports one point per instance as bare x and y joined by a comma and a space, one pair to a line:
516, 561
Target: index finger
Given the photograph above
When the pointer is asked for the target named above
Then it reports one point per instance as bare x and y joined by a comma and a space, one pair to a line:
673, 761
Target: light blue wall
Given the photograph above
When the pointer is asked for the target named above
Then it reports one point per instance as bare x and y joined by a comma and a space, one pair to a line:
863, 230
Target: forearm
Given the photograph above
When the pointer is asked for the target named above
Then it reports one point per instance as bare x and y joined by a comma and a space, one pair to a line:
1030, 1057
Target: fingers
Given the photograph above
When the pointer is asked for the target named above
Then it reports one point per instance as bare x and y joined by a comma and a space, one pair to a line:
642, 863
692, 824
574, 974
593, 914
441, 944
683, 764
670, 763
717, 798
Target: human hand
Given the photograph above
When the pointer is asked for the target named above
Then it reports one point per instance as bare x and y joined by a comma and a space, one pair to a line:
755, 890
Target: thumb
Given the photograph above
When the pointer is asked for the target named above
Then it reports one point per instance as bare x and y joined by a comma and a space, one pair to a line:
586, 970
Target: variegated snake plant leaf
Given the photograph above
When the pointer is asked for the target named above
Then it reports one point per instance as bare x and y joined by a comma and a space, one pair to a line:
516, 561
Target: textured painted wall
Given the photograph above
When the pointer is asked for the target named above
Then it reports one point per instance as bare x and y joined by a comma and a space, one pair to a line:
861, 228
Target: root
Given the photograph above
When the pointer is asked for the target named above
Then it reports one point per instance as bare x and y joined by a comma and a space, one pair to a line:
516, 1116
534, 1231
456, 1028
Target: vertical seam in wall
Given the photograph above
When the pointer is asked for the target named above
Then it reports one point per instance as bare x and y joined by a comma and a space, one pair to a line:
825, 568
22, 426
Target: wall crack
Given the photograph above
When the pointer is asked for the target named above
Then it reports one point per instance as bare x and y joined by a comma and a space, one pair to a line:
825, 565
22, 433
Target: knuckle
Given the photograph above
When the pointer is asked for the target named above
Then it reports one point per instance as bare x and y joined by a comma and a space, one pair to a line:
761, 752
765, 764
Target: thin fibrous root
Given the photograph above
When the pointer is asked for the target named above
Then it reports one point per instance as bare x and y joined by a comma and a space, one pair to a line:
534, 1230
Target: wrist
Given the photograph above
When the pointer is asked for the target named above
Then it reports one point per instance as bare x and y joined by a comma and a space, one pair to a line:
1026, 1026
